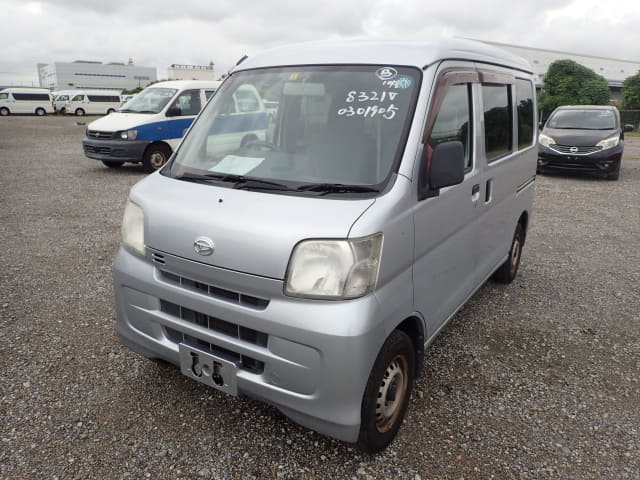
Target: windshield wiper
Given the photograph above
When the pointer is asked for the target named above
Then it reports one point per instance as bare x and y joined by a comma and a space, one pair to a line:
128, 110
239, 181
336, 188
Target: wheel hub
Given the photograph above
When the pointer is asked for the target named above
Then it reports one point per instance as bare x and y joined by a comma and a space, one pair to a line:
391, 394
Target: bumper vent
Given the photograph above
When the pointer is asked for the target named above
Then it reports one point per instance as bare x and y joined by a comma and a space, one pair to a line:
217, 325
248, 301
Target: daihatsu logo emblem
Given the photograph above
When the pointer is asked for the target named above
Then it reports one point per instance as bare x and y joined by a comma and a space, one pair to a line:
573, 149
203, 246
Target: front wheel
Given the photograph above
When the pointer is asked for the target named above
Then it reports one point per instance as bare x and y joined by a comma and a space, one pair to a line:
110, 111
387, 393
79, 112
4, 111
509, 269
40, 111
155, 157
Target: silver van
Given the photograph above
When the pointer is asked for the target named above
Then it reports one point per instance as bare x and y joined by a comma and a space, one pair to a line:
312, 267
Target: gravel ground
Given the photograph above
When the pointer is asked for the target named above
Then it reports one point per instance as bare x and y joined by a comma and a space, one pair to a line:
536, 380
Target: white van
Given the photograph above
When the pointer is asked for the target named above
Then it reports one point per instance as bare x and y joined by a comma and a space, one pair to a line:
93, 102
312, 269
36, 101
148, 127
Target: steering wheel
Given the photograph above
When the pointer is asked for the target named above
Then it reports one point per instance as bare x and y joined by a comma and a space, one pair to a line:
261, 145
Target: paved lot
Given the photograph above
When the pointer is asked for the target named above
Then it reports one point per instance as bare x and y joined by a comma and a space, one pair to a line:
539, 379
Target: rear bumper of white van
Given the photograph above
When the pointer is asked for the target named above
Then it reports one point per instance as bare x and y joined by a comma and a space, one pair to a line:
311, 359
114, 150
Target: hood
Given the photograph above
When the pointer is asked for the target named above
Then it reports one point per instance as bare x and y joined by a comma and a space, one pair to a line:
252, 232
118, 121
579, 137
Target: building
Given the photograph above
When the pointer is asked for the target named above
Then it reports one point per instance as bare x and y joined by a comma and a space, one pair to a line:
613, 70
94, 75
191, 72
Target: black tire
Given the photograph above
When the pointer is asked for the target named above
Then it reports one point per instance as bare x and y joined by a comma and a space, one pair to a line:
112, 164
155, 156
387, 393
4, 111
509, 269
110, 111
79, 112
41, 112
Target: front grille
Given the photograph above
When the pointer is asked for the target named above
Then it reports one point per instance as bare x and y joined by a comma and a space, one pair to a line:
217, 325
219, 293
574, 150
98, 134
100, 150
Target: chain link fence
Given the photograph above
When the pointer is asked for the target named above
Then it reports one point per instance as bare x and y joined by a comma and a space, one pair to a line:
631, 117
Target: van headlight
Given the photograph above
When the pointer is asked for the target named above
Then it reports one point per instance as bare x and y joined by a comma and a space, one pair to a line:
545, 140
609, 142
129, 135
133, 228
334, 269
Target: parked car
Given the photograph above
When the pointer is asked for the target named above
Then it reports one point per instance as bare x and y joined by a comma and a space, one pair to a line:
149, 126
584, 139
92, 102
312, 267
15, 100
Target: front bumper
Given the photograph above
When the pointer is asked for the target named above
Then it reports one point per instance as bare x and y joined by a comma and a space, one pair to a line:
114, 150
604, 162
311, 359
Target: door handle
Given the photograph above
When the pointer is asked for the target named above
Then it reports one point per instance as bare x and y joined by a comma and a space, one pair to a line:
475, 193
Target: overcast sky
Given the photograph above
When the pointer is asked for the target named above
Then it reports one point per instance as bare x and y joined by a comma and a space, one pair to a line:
157, 33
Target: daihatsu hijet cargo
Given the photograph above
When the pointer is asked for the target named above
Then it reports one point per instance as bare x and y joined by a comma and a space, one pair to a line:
311, 268
149, 127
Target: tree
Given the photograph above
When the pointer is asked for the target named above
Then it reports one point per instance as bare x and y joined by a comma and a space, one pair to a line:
631, 92
569, 83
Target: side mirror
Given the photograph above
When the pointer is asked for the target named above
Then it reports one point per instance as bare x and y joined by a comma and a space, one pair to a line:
540, 125
447, 165
173, 112
628, 128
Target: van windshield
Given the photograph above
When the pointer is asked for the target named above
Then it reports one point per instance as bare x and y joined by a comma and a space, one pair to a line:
583, 119
322, 129
151, 100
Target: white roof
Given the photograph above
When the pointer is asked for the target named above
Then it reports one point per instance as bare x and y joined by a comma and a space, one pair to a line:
378, 52
180, 84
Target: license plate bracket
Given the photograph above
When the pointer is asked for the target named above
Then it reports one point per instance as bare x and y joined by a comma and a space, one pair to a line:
209, 369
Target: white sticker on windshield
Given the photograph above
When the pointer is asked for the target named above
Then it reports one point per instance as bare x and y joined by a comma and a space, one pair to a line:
236, 165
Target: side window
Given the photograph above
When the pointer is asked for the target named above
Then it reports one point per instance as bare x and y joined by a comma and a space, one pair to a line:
188, 102
453, 120
77, 98
4, 96
497, 121
208, 93
524, 105
246, 101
